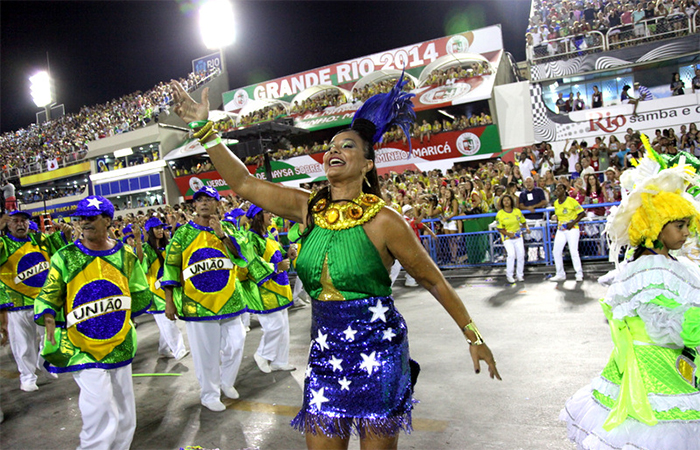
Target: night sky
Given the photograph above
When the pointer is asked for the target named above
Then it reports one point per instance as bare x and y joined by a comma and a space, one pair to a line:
102, 50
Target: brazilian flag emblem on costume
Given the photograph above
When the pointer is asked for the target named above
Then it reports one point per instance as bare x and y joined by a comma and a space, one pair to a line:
98, 312
206, 270
32, 267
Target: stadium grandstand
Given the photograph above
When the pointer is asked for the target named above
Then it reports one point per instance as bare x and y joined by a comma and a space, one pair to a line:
462, 158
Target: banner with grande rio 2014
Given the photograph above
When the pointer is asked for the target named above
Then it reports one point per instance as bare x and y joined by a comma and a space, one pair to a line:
442, 150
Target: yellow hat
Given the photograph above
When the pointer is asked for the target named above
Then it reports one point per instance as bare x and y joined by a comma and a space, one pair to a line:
657, 210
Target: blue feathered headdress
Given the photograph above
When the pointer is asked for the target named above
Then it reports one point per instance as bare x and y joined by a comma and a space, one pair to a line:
383, 111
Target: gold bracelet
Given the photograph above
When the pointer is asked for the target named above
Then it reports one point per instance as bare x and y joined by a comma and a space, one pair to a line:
472, 326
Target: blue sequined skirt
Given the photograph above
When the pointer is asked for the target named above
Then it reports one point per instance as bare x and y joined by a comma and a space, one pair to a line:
358, 379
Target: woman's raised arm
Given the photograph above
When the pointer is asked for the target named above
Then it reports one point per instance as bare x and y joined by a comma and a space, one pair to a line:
290, 203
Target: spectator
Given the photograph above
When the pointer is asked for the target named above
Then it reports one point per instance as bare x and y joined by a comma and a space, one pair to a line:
596, 98
677, 84
532, 198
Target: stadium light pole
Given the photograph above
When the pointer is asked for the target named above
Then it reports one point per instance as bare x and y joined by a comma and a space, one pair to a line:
41, 92
216, 26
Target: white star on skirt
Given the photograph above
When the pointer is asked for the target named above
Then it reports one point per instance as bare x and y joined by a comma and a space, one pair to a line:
350, 333
318, 398
369, 363
321, 340
388, 334
344, 384
378, 311
335, 362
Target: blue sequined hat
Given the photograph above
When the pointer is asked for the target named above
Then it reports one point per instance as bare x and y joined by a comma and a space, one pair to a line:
233, 215
208, 191
253, 211
24, 213
94, 205
153, 222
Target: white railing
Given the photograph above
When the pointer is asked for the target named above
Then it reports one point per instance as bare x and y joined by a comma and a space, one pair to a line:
644, 31
648, 30
567, 47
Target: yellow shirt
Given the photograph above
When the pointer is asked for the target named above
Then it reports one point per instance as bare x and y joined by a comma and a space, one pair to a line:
567, 211
510, 221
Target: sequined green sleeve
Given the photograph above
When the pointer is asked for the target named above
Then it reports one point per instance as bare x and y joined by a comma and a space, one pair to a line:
172, 271
3, 251
141, 296
53, 242
52, 297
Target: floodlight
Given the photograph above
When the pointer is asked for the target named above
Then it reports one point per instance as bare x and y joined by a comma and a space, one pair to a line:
216, 23
41, 89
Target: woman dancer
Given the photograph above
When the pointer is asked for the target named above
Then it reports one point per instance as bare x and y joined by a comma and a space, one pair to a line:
359, 345
647, 397
170, 343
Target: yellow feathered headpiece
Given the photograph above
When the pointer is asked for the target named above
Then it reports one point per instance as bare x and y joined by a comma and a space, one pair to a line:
652, 196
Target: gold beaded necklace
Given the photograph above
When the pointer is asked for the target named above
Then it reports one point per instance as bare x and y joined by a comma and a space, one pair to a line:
332, 216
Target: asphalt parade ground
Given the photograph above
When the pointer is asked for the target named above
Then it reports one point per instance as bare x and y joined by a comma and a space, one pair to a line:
549, 339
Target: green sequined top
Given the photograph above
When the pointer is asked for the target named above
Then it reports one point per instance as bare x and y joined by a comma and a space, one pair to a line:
341, 265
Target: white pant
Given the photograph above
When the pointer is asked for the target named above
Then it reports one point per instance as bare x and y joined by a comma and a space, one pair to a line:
299, 293
25, 342
170, 339
394, 274
562, 238
274, 345
108, 408
217, 351
515, 250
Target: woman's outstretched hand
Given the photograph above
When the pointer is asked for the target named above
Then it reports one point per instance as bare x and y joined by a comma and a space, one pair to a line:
185, 106
483, 353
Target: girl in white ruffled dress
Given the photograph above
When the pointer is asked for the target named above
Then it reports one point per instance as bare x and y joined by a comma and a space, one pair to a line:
648, 395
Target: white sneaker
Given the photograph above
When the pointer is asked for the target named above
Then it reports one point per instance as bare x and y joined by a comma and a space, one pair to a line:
558, 278
520, 279
166, 354
182, 354
214, 405
413, 283
510, 280
230, 392
284, 368
263, 364
579, 277
29, 387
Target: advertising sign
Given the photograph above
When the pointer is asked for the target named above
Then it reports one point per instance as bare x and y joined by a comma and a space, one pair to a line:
444, 148
483, 46
591, 123
206, 63
56, 210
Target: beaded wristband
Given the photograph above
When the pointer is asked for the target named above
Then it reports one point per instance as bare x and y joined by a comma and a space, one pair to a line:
205, 130
206, 137
211, 144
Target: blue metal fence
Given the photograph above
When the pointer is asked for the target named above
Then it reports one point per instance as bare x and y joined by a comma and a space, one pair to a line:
485, 248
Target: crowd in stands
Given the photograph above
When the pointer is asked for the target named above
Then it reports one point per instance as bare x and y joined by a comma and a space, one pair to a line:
379, 87
440, 77
421, 132
319, 102
65, 139
50, 194
552, 20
